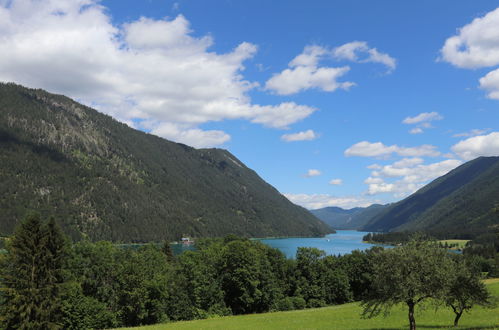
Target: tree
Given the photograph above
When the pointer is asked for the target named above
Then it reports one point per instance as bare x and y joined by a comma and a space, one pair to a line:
408, 274
310, 271
465, 290
246, 278
33, 275
167, 250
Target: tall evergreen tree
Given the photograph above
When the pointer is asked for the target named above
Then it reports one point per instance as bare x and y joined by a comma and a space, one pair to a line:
32, 275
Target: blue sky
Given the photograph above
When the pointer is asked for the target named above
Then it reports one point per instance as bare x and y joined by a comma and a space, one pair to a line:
335, 103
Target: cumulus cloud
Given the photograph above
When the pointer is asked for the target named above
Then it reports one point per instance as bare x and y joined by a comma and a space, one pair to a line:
378, 149
477, 46
317, 201
191, 136
303, 73
406, 176
336, 182
144, 70
422, 121
482, 145
312, 172
307, 135
359, 51
490, 82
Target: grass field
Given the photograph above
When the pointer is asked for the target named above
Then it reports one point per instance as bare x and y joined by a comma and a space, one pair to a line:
459, 242
347, 316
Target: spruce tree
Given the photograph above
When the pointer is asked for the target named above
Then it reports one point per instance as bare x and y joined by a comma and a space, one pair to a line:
32, 276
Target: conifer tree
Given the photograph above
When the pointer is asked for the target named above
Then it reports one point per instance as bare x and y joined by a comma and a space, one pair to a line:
167, 250
32, 276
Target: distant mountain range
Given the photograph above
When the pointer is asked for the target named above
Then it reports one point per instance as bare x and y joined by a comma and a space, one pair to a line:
353, 219
104, 180
462, 203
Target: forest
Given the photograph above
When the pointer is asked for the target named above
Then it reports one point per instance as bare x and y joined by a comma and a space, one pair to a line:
49, 283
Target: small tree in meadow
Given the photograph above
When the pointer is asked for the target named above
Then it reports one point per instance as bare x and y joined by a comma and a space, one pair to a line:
465, 290
409, 274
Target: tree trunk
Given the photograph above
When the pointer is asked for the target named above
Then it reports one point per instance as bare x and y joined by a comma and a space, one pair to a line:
458, 316
412, 321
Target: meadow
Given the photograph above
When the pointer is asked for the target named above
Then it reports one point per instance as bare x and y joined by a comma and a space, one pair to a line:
455, 243
347, 316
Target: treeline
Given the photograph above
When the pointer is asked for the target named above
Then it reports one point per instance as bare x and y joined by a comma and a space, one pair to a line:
392, 238
100, 285
483, 249
49, 283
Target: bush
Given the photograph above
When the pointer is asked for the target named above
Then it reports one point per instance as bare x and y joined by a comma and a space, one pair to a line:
315, 303
285, 304
298, 302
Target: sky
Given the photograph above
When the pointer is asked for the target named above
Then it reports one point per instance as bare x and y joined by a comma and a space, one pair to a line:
335, 103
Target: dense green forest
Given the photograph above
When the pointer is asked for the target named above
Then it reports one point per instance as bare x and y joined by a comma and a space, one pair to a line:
461, 204
105, 180
48, 283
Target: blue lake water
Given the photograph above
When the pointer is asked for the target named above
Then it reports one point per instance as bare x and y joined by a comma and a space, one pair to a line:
343, 242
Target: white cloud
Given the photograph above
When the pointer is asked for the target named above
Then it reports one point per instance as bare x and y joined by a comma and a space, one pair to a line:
482, 145
309, 57
304, 74
359, 51
476, 45
336, 182
312, 172
408, 162
490, 82
144, 70
378, 149
191, 136
412, 173
416, 130
423, 117
473, 132
422, 120
317, 201
307, 135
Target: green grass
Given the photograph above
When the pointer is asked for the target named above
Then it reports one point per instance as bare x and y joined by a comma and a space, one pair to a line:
459, 242
347, 316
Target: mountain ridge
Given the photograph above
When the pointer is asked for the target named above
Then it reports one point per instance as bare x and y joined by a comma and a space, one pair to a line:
348, 219
105, 180
462, 202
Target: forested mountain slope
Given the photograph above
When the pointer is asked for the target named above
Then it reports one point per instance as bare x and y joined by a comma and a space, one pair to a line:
104, 180
464, 202
354, 218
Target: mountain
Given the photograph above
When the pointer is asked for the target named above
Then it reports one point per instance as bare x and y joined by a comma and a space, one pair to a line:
354, 218
104, 180
464, 202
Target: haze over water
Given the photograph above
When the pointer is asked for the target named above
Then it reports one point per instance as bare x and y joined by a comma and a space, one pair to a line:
343, 242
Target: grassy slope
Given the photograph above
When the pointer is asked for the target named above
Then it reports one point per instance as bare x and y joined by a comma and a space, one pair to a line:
347, 317
461, 243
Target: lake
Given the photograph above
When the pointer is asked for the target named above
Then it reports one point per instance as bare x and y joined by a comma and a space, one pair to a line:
343, 242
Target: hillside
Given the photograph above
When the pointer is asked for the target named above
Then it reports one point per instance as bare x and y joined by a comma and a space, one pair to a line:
104, 180
354, 218
462, 203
